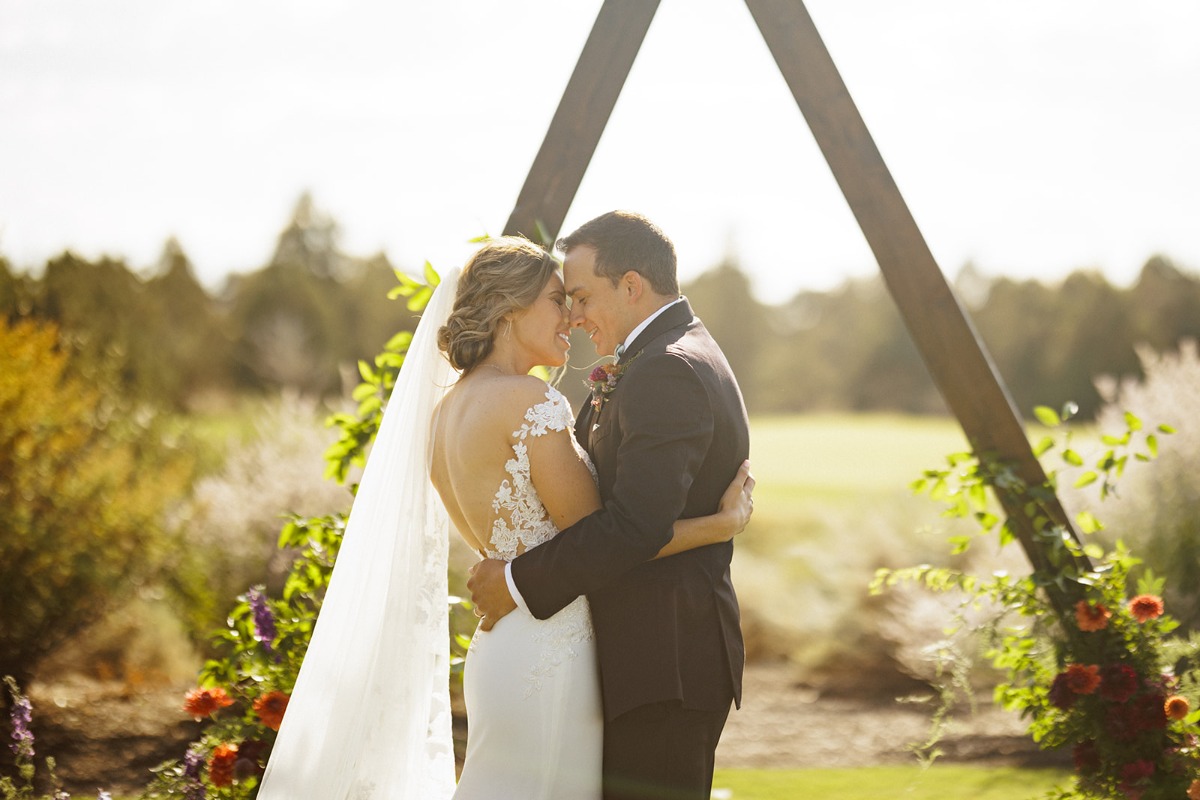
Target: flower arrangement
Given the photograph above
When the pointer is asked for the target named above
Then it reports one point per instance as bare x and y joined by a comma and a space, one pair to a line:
603, 381
1102, 674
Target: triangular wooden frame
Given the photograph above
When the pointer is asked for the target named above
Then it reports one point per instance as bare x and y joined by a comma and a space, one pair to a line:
953, 352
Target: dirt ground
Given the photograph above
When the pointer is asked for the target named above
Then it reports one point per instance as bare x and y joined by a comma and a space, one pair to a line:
108, 736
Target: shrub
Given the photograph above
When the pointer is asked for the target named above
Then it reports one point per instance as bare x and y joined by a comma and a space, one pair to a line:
85, 483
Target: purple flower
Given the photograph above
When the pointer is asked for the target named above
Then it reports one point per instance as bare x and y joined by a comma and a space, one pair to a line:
192, 762
21, 715
264, 621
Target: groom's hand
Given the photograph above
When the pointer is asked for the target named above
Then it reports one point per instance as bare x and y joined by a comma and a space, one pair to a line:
489, 592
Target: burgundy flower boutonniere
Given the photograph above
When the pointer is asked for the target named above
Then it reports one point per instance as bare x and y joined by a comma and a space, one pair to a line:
603, 381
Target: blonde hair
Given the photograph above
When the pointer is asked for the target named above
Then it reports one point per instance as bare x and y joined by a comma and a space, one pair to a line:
507, 274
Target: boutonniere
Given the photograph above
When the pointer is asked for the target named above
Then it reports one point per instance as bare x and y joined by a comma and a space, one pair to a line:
603, 381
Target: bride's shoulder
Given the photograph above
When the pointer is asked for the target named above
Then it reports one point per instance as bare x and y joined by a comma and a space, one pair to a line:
531, 404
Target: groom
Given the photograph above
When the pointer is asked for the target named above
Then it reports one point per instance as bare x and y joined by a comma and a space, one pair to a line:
666, 440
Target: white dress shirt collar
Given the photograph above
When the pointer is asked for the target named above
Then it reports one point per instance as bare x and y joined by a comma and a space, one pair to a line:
633, 334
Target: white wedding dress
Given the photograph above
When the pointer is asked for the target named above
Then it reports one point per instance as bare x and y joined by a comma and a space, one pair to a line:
535, 726
369, 717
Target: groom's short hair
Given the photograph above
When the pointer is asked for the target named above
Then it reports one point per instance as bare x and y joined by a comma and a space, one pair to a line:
625, 241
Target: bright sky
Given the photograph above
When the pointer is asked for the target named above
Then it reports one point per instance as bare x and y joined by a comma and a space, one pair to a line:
1029, 137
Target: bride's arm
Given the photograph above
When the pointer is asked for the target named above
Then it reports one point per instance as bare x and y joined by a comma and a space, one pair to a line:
733, 514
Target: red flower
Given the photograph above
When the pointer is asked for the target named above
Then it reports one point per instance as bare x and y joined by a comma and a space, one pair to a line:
221, 763
1118, 683
1137, 771
270, 708
1122, 723
1146, 607
1061, 695
202, 702
1083, 678
1151, 712
1176, 707
1086, 756
1091, 617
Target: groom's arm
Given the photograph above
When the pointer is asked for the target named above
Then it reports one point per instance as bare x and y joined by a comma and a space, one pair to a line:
667, 427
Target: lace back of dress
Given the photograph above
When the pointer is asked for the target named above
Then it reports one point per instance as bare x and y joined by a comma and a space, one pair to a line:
521, 520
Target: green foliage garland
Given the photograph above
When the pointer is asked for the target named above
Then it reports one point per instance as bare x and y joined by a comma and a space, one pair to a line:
1107, 680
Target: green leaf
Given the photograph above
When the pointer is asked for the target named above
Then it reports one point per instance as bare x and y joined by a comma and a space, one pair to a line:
367, 373
420, 298
1150, 583
1072, 458
431, 276
1087, 521
1133, 421
1046, 443
1093, 551
1085, 479
362, 392
1165, 429
399, 342
1152, 445
1047, 416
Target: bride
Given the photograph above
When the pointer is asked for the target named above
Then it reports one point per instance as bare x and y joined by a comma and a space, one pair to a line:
490, 451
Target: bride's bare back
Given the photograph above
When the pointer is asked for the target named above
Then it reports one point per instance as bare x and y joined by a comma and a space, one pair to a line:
473, 440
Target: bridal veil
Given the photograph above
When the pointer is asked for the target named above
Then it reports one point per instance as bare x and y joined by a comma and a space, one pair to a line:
369, 717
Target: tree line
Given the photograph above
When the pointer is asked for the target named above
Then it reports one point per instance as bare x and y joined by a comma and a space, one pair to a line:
306, 317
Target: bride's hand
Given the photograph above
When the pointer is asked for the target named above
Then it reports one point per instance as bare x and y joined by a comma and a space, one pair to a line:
737, 503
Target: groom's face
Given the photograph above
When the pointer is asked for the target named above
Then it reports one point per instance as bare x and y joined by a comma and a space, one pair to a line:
599, 308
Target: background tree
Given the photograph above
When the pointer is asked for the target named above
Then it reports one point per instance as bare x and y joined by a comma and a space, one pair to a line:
195, 341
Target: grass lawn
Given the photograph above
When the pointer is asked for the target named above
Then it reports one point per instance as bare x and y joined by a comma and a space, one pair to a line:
939, 782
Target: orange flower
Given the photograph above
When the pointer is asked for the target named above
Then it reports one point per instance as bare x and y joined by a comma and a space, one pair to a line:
270, 708
221, 763
1146, 606
1083, 678
1194, 790
1176, 707
1091, 617
202, 702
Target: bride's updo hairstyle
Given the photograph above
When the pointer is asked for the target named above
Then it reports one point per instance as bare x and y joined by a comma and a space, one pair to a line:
507, 274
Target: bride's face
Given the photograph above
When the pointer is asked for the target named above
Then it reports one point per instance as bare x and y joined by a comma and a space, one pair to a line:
541, 331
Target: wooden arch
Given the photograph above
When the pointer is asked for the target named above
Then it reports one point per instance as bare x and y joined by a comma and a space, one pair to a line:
956, 357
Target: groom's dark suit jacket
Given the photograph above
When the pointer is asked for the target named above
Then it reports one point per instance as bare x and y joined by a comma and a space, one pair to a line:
666, 442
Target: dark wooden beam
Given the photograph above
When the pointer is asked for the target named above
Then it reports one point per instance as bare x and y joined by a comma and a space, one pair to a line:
952, 350
586, 105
